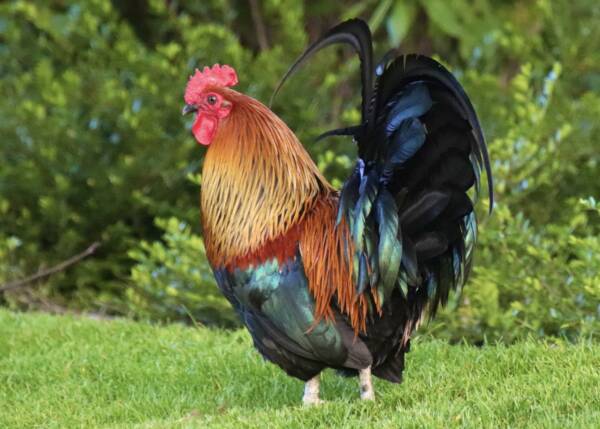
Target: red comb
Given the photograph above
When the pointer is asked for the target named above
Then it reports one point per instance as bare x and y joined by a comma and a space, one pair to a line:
217, 76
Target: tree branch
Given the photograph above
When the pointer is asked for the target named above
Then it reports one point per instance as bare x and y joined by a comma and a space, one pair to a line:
259, 25
47, 272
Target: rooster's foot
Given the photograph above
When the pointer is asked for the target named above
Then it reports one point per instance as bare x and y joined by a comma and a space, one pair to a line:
311, 392
366, 385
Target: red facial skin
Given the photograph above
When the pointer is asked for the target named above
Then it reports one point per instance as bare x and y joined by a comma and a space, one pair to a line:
211, 109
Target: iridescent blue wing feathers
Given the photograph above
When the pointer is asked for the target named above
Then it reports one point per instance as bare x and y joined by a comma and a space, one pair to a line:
355, 33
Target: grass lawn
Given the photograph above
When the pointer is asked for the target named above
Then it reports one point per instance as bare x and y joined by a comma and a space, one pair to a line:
63, 372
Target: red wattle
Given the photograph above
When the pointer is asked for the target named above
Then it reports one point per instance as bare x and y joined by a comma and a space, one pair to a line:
205, 128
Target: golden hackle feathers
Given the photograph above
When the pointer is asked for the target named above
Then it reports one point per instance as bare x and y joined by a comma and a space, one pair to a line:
257, 181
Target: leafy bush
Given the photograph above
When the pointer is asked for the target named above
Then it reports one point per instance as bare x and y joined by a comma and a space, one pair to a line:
171, 280
89, 113
529, 281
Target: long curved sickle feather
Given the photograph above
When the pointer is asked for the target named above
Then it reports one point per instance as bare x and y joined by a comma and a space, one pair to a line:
356, 33
347, 131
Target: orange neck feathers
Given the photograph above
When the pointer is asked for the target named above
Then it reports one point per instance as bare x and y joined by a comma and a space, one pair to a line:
258, 182
325, 249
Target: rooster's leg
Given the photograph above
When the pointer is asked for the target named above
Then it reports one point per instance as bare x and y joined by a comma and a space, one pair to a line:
311, 392
366, 386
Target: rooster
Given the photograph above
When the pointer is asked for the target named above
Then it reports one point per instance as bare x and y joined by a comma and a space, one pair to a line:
340, 279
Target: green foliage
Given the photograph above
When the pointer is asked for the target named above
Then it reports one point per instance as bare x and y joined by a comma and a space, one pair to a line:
445, 20
171, 280
9, 267
68, 372
530, 281
81, 135
94, 147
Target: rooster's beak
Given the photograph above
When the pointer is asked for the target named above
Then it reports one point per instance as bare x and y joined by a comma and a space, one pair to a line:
188, 108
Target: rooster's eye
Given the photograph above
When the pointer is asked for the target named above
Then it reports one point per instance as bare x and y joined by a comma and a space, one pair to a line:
211, 99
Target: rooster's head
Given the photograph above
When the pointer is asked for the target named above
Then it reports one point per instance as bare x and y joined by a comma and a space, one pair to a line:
205, 95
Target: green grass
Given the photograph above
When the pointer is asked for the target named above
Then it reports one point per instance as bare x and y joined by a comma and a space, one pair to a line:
63, 372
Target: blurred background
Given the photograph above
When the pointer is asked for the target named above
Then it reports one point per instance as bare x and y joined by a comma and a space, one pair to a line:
94, 149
